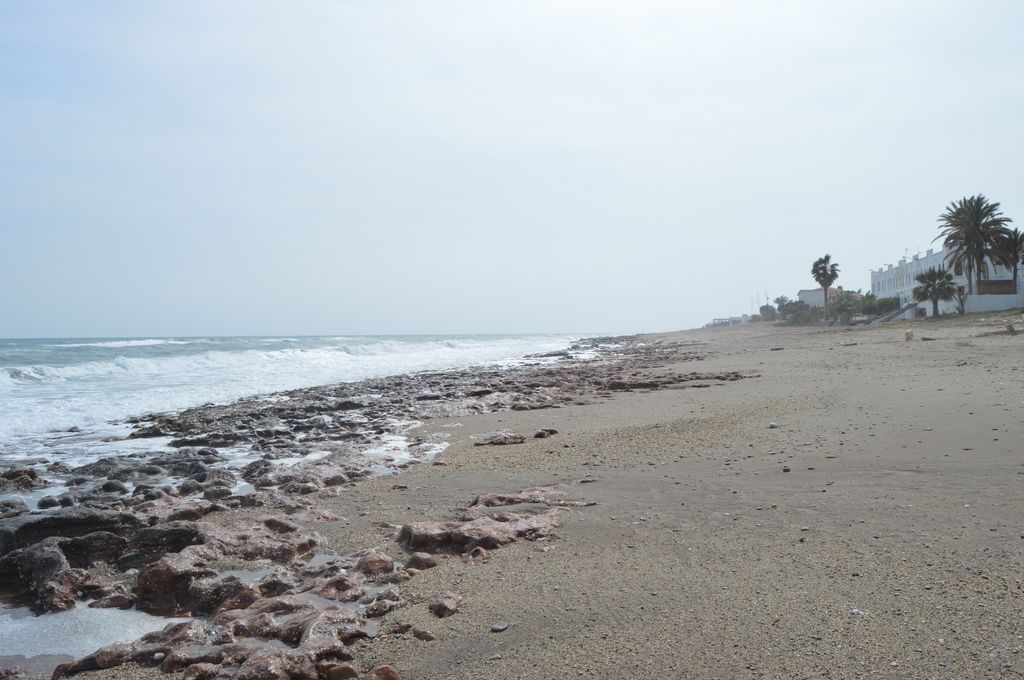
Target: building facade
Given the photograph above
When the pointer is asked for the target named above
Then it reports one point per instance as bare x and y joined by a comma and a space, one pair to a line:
899, 280
815, 297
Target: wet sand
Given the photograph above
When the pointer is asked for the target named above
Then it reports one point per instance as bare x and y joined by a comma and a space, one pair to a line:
878, 531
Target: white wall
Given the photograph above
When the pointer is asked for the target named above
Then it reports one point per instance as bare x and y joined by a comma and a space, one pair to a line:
813, 297
994, 303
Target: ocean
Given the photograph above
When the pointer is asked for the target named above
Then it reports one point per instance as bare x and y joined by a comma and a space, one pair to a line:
49, 386
65, 401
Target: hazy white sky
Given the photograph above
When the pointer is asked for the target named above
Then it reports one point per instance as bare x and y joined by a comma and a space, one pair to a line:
195, 168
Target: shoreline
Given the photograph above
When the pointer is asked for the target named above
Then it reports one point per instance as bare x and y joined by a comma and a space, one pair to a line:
852, 539
294, 460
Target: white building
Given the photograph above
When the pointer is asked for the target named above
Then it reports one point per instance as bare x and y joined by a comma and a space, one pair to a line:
729, 321
815, 297
994, 294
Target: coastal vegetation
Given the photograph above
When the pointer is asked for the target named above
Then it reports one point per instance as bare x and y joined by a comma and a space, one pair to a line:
1009, 252
845, 305
935, 285
972, 229
825, 272
876, 306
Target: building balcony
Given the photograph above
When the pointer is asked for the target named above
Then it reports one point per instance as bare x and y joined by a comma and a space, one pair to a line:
997, 287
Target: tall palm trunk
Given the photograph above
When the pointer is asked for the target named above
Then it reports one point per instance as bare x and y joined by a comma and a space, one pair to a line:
824, 295
935, 307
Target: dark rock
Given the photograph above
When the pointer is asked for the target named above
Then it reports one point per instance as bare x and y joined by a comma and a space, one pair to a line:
211, 596
277, 664
421, 560
375, 564
167, 537
384, 673
114, 486
164, 587
43, 570
500, 439
216, 493
99, 546
484, 532
201, 671
150, 431
22, 478
16, 532
80, 666
10, 507
281, 526
446, 605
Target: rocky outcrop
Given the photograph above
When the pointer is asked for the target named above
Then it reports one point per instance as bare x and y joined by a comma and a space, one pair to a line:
483, 532
24, 530
446, 605
312, 612
44, 571
500, 439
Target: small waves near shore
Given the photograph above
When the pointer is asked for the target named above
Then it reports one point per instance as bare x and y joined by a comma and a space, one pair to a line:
69, 408
48, 385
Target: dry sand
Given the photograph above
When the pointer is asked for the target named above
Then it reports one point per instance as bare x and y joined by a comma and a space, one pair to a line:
892, 547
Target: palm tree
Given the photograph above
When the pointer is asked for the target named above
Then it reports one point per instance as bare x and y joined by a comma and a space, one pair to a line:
825, 272
936, 284
970, 229
1009, 252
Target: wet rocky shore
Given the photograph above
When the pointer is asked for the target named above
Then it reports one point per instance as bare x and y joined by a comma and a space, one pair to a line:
213, 524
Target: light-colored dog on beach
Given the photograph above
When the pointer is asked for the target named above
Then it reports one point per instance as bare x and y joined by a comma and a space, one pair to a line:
908, 335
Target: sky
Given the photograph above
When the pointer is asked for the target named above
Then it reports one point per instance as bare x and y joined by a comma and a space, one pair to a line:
250, 168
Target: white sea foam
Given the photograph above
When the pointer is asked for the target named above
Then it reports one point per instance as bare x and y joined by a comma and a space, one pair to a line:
146, 342
41, 397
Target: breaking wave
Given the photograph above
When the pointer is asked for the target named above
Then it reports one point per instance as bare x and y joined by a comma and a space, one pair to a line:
106, 381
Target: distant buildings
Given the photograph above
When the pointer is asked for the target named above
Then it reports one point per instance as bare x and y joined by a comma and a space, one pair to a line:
729, 321
994, 294
815, 297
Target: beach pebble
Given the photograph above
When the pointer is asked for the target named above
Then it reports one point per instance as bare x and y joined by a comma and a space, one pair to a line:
500, 439
421, 560
384, 673
772, 425
446, 605
201, 671
499, 627
375, 563
342, 672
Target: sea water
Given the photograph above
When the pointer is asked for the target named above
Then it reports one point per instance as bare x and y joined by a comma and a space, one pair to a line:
50, 385
65, 400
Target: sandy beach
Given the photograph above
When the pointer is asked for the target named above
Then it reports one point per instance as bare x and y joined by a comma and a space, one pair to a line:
877, 531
